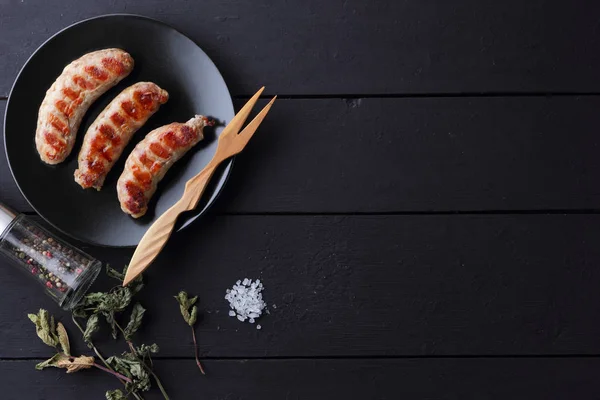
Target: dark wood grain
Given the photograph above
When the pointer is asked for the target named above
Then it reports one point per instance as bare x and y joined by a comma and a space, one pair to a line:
363, 286
9, 192
414, 155
392, 108
354, 46
421, 154
475, 378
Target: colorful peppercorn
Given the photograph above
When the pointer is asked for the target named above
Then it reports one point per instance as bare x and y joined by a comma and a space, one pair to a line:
56, 265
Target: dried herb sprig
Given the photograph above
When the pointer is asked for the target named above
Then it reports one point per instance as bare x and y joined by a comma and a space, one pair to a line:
55, 335
131, 368
189, 312
134, 364
109, 305
142, 353
115, 395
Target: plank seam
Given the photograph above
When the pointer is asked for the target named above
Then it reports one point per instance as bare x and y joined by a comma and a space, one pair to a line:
392, 213
398, 213
332, 358
409, 95
416, 95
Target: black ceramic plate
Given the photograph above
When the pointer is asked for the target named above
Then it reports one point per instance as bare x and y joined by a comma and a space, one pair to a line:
162, 55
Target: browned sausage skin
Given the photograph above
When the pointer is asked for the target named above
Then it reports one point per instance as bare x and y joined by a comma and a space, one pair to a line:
151, 159
68, 99
113, 129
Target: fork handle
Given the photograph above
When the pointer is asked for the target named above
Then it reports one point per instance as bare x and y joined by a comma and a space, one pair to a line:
153, 242
195, 187
158, 234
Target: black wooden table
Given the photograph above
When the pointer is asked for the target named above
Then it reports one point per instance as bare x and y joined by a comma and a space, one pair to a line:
421, 204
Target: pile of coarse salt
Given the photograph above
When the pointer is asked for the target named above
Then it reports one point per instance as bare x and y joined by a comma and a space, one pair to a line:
245, 300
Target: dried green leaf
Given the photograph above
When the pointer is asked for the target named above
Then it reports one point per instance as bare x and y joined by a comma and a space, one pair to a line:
43, 328
112, 361
91, 327
63, 339
107, 304
43, 319
53, 325
79, 312
189, 312
135, 286
90, 300
141, 379
33, 318
130, 365
113, 273
115, 395
122, 364
109, 316
137, 313
193, 316
51, 362
137, 370
123, 298
145, 350
116, 300
74, 364
71, 364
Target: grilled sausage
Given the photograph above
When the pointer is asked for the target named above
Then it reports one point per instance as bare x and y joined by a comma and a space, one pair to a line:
151, 159
70, 96
108, 135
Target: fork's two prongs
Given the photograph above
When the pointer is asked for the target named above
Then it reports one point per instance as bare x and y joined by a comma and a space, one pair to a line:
237, 122
245, 135
230, 141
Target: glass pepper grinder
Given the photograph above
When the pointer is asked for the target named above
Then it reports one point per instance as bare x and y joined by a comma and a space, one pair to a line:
65, 272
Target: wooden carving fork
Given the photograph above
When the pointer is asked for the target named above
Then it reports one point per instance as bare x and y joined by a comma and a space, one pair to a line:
230, 143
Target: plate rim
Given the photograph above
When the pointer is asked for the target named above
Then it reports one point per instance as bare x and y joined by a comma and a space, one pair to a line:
183, 223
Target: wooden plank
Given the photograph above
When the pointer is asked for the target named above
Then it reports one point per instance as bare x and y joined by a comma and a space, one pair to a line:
9, 192
354, 46
414, 155
479, 378
362, 286
421, 154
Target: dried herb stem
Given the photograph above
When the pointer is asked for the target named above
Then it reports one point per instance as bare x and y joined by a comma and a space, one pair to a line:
132, 348
196, 350
123, 379
97, 352
158, 382
136, 395
189, 312
118, 375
